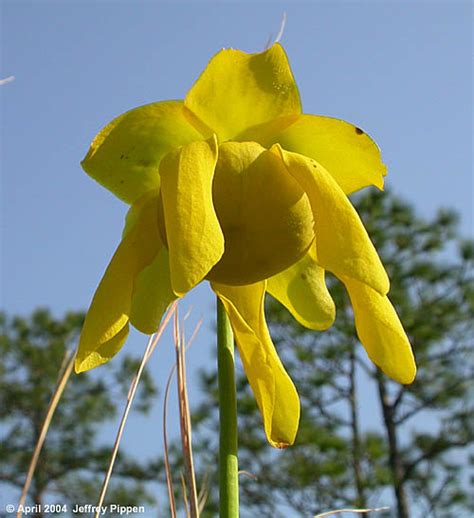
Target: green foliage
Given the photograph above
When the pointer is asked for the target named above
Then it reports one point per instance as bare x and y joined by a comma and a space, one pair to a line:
73, 462
418, 453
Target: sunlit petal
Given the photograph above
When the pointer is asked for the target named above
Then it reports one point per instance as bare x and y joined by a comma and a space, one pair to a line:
106, 325
274, 391
302, 290
342, 244
125, 156
239, 90
381, 332
347, 153
195, 239
152, 294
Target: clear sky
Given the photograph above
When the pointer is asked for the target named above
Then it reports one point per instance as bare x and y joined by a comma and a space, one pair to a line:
401, 70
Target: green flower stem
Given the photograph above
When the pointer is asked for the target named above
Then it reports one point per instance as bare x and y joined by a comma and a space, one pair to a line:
228, 462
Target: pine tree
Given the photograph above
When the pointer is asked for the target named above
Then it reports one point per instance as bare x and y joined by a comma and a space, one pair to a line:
72, 463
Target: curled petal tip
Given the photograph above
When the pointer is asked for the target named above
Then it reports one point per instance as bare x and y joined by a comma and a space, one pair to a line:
281, 445
381, 332
87, 363
78, 367
409, 377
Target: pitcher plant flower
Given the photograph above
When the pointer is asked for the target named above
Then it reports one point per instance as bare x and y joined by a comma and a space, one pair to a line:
236, 186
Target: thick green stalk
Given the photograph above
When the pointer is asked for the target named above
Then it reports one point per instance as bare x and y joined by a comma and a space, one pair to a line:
228, 463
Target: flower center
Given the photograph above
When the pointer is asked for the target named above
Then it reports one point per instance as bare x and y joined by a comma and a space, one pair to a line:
264, 214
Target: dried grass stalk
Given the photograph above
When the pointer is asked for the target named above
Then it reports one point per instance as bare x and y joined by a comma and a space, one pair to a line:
185, 419
152, 343
64, 374
169, 478
356, 511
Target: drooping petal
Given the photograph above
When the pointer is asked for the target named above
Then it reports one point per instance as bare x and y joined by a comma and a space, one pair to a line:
195, 239
302, 290
152, 294
106, 324
125, 156
380, 331
274, 391
239, 90
342, 244
349, 155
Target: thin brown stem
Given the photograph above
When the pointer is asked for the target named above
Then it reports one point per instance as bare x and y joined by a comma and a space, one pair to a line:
152, 343
68, 364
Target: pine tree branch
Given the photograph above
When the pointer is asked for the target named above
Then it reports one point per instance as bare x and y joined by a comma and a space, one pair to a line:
439, 446
399, 397
428, 401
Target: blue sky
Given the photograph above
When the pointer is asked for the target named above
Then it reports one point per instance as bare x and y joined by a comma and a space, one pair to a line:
400, 70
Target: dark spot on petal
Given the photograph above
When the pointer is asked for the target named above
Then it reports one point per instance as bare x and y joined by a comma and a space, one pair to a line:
122, 182
359, 131
121, 157
303, 276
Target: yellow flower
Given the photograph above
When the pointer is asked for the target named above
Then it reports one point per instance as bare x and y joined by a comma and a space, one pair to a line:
236, 186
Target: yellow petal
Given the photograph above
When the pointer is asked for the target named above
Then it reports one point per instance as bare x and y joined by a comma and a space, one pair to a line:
124, 157
152, 294
239, 90
342, 244
380, 331
302, 290
274, 391
345, 151
106, 324
195, 239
